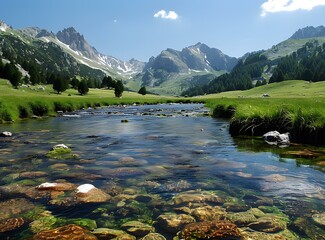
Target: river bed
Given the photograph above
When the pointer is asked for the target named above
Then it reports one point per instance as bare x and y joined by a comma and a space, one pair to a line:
154, 164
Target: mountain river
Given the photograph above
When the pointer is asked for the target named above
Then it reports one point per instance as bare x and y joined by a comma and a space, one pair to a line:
156, 168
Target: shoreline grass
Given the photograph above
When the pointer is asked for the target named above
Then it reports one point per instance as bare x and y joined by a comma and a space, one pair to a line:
299, 110
28, 102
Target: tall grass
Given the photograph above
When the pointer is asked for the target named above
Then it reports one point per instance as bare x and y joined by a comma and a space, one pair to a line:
303, 118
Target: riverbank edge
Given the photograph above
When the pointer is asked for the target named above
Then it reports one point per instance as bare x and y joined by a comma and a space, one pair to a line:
34, 109
299, 127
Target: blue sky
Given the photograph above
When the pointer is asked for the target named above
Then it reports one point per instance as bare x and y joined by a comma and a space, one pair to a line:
143, 28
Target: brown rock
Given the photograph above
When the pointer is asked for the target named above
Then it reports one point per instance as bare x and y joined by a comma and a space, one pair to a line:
208, 213
154, 236
173, 222
137, 228
211, 230
68, 232
11, 224
190, 197
88, 193
268, 224
56, 187
13, 207
107, 233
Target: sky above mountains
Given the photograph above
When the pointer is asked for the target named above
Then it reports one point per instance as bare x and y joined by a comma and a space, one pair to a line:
143, 28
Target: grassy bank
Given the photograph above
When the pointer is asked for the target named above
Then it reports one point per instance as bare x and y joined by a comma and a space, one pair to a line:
293, 106
27, 102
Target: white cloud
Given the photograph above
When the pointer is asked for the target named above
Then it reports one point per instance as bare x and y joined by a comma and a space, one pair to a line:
273, 6
172, 15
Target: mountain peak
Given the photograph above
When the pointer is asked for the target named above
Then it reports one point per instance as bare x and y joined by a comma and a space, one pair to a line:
3, 26
309, 32
77, 42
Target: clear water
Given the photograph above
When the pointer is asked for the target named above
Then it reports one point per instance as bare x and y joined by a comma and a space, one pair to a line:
173, 146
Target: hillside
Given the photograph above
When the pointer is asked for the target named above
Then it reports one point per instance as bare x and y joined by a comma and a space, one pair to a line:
286, 89
172, 71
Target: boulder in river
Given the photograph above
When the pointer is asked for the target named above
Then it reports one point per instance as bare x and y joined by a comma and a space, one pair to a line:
89, 193
276, 138
6, 134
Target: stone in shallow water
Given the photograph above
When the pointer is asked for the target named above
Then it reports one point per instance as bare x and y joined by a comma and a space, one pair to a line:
137, 228
319, 218
268, 224
107, 233
173, 223
68, 232
6, 134
13, 207
89, 193
153, 236
211, 230
11, 224
194, 196
208, 213
241, 219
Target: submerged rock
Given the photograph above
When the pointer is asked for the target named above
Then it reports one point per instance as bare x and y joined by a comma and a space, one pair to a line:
190, 197
211, 230
11, 224
319, 218
173, 223
268, 224
276, 138
71, 232
208, 213
153, 236
107, 233
137, 228
13, 207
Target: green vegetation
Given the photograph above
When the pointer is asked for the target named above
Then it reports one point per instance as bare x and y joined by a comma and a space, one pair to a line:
142, 90
40, 101
292, 106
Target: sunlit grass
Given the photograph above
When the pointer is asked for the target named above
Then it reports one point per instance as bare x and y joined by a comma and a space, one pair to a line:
26, 102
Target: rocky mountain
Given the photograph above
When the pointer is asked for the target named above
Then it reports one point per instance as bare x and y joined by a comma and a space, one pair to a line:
309, 32
197, 60
75, 45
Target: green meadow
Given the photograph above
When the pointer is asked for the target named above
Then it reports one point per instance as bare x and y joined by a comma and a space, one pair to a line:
292, 106
40, 101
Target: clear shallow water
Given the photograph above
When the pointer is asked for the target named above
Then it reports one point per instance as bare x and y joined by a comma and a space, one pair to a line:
162, 150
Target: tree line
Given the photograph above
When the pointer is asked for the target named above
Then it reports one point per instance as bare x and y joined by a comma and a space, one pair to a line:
60, 81
240, 78
307, 63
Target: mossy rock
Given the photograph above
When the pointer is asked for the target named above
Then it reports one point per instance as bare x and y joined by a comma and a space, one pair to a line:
83, 222
58, 152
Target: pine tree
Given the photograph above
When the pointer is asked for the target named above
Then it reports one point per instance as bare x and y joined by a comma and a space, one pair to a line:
83, 87
119, 88
142, 90
60, 84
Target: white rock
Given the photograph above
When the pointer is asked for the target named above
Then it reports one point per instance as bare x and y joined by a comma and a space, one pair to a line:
275, 138
60, 146
47, 185
85, 188
6, 134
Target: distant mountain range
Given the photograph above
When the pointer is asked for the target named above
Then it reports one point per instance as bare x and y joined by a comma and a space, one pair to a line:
171, 72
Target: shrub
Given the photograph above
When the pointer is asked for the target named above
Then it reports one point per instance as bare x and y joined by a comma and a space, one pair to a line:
39, 109
23, 112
